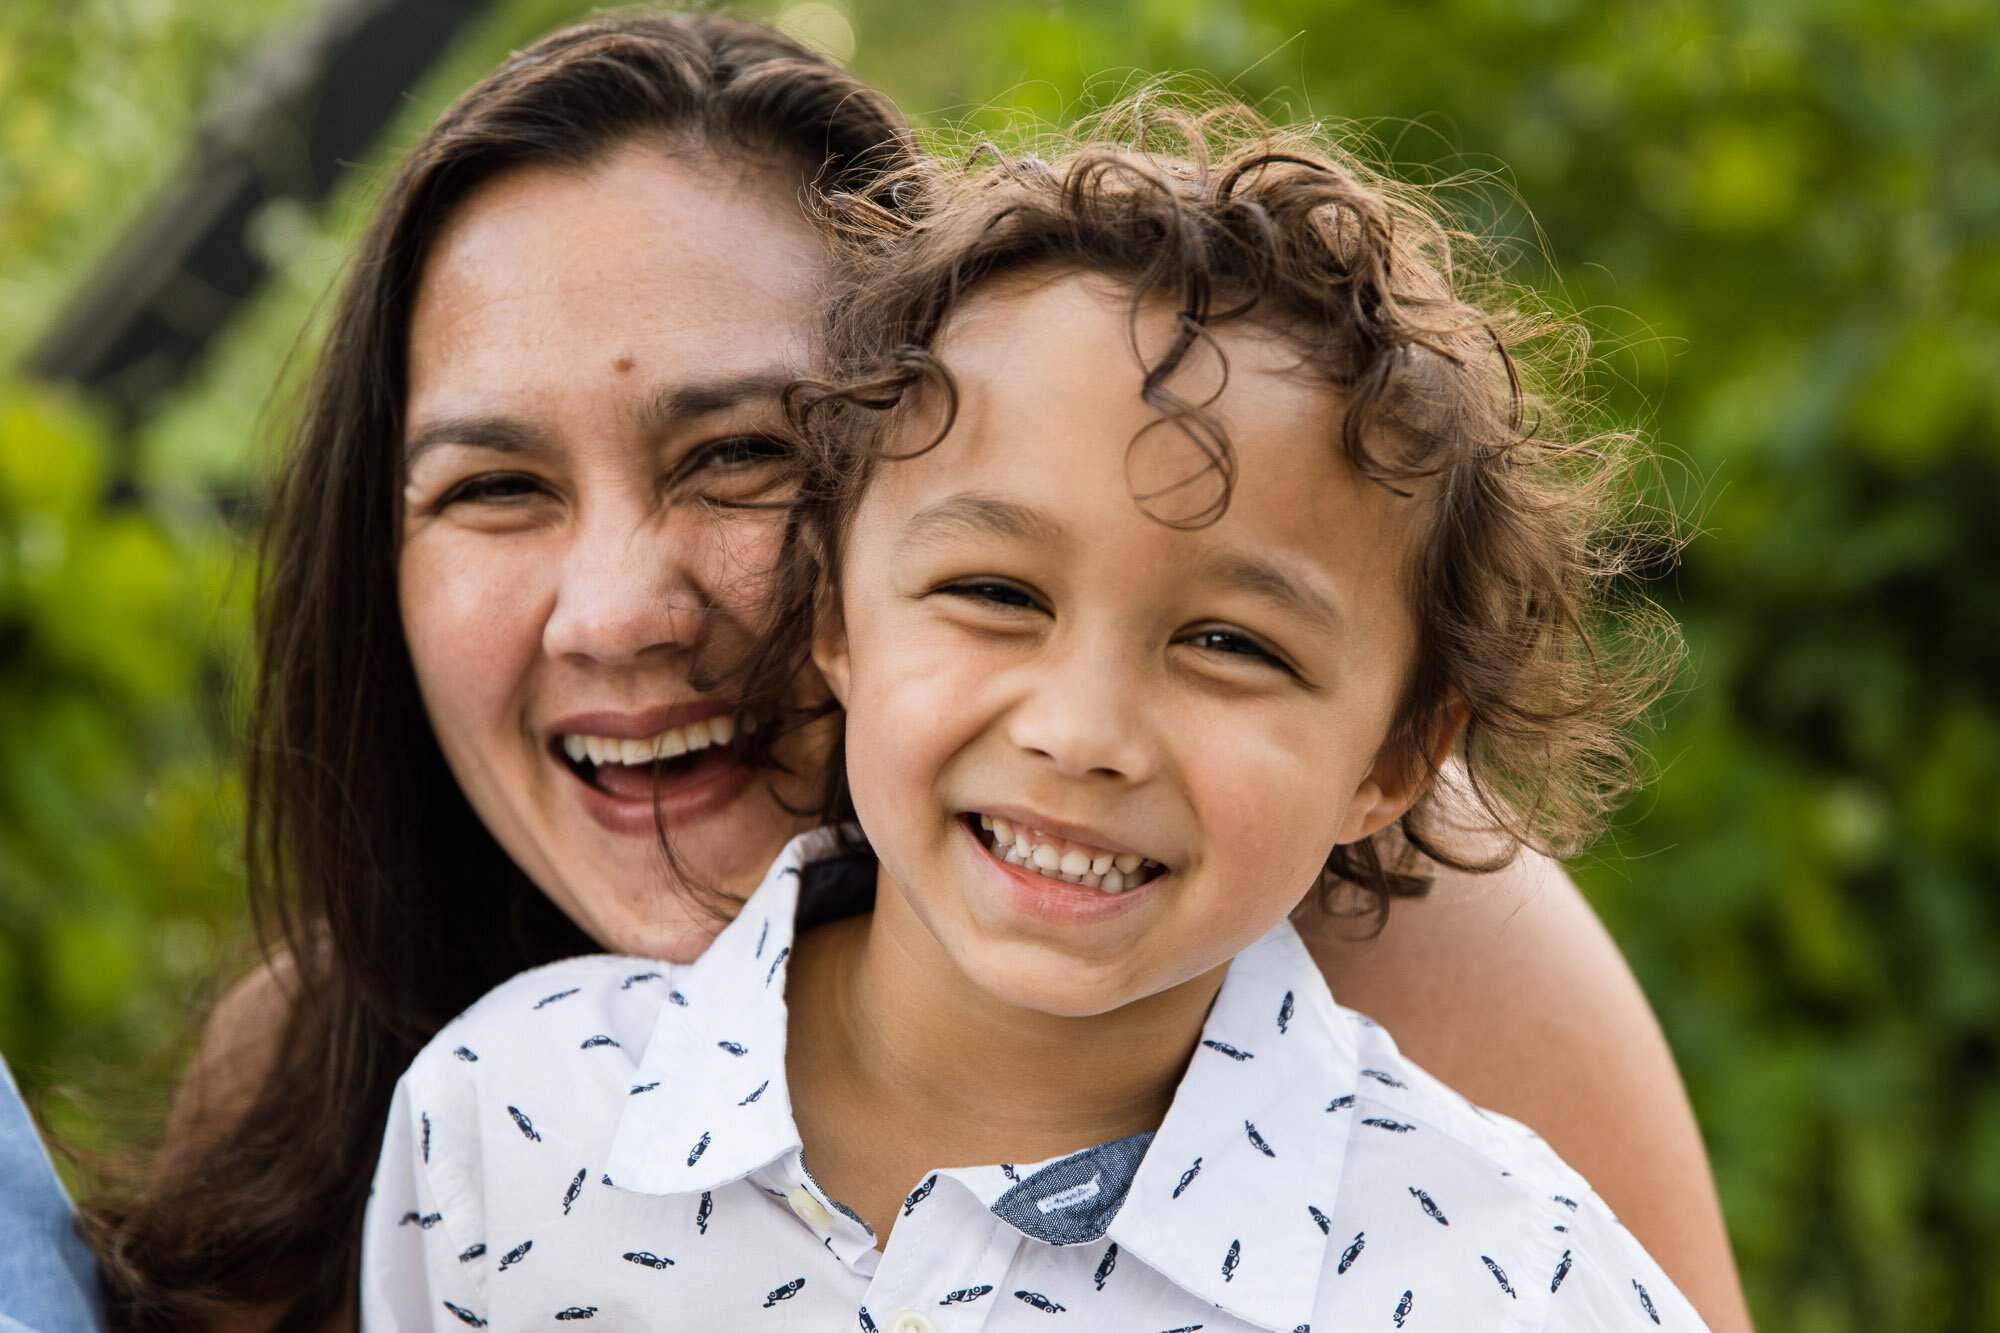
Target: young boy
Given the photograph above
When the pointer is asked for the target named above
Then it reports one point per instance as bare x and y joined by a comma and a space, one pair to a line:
1162, 530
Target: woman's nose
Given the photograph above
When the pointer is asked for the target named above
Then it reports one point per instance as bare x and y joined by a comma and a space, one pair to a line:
1083, 711
623, 592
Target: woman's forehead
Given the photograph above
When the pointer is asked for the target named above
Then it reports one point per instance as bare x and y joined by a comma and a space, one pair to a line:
655, 266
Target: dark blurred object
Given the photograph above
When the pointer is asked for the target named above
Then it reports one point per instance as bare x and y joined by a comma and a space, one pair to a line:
280, 134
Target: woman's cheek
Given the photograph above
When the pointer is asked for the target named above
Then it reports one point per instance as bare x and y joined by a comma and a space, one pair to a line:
473, 611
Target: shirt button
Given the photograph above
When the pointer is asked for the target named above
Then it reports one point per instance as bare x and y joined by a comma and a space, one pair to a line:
911, 1321
811, 1211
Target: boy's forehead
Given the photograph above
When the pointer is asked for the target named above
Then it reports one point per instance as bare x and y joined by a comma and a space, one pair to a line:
1050, 414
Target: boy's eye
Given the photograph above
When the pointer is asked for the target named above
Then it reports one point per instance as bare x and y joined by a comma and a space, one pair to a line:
993, 591
1229, 643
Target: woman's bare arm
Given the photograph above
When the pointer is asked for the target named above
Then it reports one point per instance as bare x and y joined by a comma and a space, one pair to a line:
1508, 988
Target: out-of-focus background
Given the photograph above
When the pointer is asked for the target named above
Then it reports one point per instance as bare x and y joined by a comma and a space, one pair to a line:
1782, 218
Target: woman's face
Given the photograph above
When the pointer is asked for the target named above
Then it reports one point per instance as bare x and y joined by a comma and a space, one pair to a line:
594, 355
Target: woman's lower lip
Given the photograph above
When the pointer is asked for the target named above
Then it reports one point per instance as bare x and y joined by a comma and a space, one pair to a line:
1052, 900
683, 799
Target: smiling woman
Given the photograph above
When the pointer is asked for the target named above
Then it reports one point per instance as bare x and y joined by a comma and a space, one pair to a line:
505, 582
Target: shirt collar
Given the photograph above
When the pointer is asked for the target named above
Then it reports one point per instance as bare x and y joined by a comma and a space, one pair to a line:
716, 1058
1232, 1198
1228, 1202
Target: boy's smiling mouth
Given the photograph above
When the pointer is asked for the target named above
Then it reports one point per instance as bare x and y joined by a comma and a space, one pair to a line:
1062, 859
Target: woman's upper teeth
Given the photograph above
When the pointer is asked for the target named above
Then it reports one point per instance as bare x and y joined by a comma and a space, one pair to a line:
1060, 858
668, 744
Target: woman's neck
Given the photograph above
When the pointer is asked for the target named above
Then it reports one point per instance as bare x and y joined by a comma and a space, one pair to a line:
900, 1065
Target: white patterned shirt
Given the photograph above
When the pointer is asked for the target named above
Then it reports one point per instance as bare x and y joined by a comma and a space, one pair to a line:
611, 1139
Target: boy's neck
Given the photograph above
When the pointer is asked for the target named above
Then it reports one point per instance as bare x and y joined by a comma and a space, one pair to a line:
899, 1065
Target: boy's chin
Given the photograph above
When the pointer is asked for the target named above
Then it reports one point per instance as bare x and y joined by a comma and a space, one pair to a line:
1043, 981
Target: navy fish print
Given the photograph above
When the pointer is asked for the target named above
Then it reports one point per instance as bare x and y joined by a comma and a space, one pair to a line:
734, 1047
569, 1195
599, 1040
1341, 1103
1257, 1140
755, 1095
638, 1088
1228, 1050
919, 1194
1499, 1275
525, 1125
636, 978
559, 995
1105, 1265
1383, 1078
701, 1214
1187, 1177
647, 1259
515, 1255
1230, 1260
1429, 1206
427, 1135
1393, 1126
777, 962
1285, 1012
1645, 1301
465, 1316
1040, 1302
1321, 1220
578, 1312
1351, 1253
786, 1292
465, 1053
473, 1253
699, 1148
424, 1221
1403, 1308
1562, 1271
966, 1295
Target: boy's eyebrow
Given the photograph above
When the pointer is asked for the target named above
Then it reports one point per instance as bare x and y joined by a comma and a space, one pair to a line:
1261, 578
984, 514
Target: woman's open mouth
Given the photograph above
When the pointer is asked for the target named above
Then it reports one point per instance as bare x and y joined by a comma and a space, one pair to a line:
632, 770
1051, 857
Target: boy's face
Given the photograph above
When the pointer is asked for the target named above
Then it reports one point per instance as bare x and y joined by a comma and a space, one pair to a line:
1021, 645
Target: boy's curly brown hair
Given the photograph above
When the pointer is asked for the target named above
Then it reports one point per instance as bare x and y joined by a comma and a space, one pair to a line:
1527, 622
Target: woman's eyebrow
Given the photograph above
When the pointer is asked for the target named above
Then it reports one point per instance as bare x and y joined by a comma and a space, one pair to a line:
507, 435
986, 515
698, 398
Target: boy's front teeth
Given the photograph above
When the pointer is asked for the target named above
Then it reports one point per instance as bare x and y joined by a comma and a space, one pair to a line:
1071, 862
669, 744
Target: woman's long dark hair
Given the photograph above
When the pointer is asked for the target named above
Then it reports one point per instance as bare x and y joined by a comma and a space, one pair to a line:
369, 874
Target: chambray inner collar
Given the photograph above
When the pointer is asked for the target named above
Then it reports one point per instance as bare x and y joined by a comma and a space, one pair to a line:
1227, 1199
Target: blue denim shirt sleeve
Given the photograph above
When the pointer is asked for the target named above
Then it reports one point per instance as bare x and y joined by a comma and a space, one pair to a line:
48, 1283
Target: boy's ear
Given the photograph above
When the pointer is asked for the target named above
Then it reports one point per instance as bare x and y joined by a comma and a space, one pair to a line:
1400, 778
829, 647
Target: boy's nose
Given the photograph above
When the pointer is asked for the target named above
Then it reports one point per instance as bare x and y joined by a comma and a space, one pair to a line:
1084, 713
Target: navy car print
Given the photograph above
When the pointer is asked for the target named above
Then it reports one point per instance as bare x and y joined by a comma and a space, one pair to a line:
1040, 1302
1285, 1012
547, 1000
1403, 1308
701, 1213
1105, 1265
966, 1295
1562, 1271
647, 1259
577, 1312
526, 1126
1231, 1259
1320, 1220
1429, 1206
465, 1053
575, 1188
1345, 1103
1352, 1252
1257, 1140
515, 1255
1228, 1050
591, 1043
1645, 1300
465, 1316
1499, 1274
1187, 1177
786, 1292
919, 1194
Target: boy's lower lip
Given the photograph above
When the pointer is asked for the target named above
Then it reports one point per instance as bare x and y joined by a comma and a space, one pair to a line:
707, 788
1052, 900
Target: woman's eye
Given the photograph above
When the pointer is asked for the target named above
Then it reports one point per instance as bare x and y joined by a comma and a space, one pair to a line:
741, 451
993, 592
493, 488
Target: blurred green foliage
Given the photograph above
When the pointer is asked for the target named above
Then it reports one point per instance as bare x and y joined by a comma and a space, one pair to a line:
1782, 219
